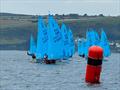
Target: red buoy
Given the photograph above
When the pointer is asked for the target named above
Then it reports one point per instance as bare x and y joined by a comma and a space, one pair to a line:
94, 64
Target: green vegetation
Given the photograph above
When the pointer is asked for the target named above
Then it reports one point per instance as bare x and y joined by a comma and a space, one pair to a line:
16, 29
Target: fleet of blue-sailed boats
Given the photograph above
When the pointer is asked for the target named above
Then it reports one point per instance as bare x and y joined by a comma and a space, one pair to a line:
57, 43
53, 41
92, 38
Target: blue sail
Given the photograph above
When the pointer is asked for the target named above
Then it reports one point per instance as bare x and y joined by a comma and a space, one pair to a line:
71, 43
105, 44
94, 38
55, 43
91, 39
79, 47
97, 38
87, 45
65, 41
82, 47
88, 42
42, 39
32, 48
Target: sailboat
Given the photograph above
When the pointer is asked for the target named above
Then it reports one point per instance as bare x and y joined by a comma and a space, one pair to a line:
42, 39
105, 44
65, 41
97, 38
89, 41
55, 42
32, 46
71, 43
81, 47
92, 38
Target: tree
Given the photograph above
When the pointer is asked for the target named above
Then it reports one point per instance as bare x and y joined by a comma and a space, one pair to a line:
85, 15
101, 15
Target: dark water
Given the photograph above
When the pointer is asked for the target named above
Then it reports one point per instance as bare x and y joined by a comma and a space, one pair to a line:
18, 73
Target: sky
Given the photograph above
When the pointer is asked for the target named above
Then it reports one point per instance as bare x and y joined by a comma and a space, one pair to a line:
44, 7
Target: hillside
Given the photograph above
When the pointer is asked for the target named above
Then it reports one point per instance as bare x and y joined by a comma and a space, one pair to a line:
15, 29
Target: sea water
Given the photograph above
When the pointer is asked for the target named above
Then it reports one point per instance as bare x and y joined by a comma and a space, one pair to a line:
18, 73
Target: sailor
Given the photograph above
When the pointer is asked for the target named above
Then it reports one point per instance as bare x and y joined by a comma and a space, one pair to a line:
46, 59
83, 55
33, 58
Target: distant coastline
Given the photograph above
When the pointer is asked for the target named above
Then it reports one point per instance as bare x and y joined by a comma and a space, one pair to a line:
15, 29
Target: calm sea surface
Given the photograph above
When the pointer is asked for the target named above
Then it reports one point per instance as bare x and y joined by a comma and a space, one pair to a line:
18, 73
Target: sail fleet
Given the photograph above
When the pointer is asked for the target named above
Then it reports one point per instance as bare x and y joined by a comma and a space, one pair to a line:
57, 42
92, 38
52, 40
